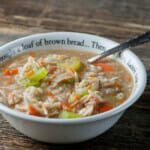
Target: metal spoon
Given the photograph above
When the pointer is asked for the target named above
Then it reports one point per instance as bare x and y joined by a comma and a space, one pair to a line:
131, 43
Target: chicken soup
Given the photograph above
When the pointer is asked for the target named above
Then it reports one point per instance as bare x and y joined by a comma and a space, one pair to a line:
61, 84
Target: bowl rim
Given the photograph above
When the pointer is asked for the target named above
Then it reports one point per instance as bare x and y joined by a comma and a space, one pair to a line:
6, 110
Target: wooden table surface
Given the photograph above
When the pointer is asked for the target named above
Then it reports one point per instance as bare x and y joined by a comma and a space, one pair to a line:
118, 20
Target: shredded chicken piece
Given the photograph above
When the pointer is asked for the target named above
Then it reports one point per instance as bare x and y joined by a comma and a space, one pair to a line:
28, 66
53, 59
87, 111
63, 77
15, 97
90, 101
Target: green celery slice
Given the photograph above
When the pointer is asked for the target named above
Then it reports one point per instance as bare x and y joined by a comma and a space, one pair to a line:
114, 98
28, 83
73, 63
40, 74
82, 92
68, 115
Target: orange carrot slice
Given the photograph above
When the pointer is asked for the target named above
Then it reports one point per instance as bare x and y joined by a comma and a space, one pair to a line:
61, 57
77, 98
117, 84
105, 108
8, 72
19, 59
53, 76
29, 73
12, 95
14, 71
105, 67
77, 58
31, 54
53, 70
122, 101
89, 86
66, 107
33, 111
51, 94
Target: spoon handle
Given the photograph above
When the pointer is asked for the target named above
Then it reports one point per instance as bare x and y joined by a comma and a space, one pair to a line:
131, 43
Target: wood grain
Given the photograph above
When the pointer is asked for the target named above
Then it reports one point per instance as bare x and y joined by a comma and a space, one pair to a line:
117, 20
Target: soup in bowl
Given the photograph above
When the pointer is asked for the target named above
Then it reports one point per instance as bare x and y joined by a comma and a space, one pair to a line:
48, 90
61, 84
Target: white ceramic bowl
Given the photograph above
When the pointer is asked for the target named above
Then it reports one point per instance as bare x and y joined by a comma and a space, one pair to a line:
71, 130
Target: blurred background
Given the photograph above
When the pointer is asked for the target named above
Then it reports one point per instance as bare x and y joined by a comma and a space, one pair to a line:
118, 20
